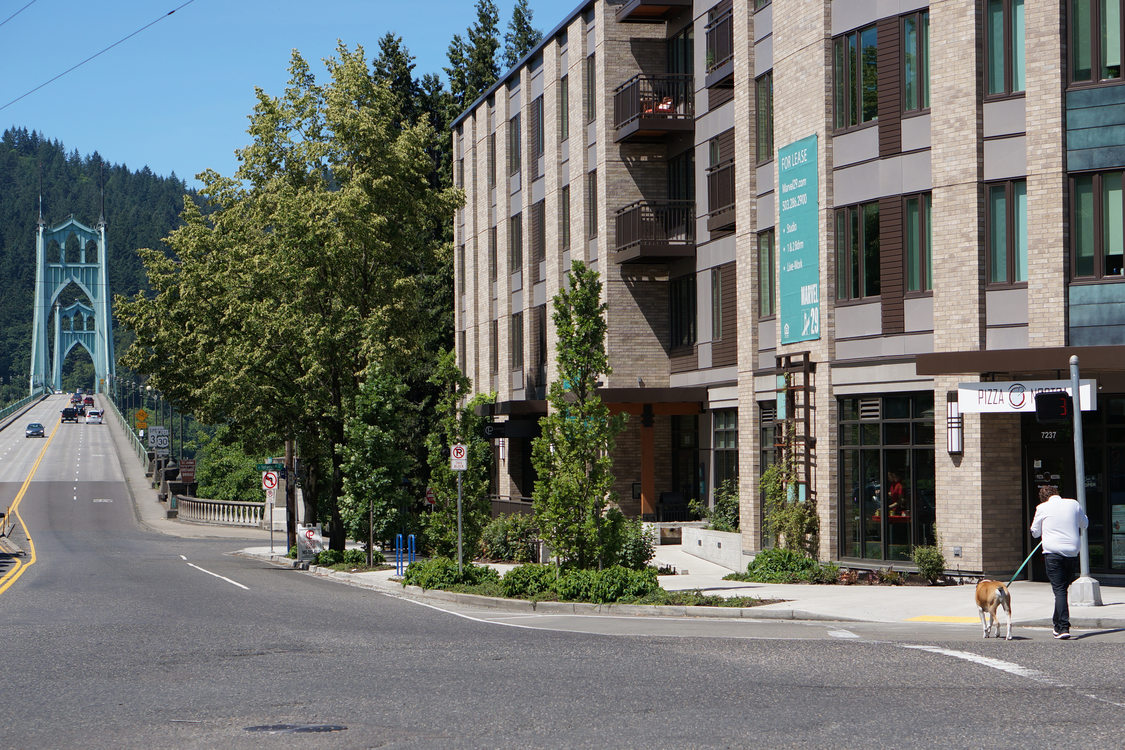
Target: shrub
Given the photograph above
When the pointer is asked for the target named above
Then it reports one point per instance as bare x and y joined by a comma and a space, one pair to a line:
891, 577
442, 573
619, 582
529, 581
575, 585
930, 562
724, 515
637, 545
513, 537
782, 565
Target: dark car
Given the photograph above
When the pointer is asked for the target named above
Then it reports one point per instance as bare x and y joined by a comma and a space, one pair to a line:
76, 398
88, 401
70, 414
34, 430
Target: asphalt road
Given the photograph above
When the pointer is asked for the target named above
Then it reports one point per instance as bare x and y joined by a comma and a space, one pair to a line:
120, 637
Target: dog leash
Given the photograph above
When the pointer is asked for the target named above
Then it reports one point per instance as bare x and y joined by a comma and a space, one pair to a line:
1025, 562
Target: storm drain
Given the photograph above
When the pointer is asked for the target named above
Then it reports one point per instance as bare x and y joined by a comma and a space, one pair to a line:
296, 728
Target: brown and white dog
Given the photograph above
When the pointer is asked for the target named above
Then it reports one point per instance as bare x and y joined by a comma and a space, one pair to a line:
992, 595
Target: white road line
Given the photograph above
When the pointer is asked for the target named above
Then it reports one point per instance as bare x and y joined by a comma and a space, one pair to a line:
842, 634
235, 583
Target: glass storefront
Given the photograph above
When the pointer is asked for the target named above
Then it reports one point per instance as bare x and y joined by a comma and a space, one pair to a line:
886, 475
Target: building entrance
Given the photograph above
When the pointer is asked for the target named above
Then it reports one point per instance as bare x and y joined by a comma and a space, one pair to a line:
1048, 459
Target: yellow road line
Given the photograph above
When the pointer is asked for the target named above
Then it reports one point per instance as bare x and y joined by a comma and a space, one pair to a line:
14, 574
941, 618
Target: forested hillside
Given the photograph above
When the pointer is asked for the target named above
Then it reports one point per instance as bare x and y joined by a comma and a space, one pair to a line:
140, 209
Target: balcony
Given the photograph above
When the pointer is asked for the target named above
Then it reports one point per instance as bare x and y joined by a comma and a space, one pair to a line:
720, 197
720, 51
649, 108
655, 231
647, 11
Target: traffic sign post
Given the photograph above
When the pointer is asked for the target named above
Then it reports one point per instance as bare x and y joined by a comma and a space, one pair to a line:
158, 440
459, 462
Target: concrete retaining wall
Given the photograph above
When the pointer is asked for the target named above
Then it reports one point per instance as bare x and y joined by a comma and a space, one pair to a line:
720, 547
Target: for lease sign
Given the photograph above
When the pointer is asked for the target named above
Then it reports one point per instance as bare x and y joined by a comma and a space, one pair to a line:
1019, 395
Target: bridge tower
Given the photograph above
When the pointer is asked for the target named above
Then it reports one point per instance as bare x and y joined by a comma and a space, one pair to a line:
71, 253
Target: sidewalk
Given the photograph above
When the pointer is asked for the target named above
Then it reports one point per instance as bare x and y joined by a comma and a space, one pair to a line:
1031, 602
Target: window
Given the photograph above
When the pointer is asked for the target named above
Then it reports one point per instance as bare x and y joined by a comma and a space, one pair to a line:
564, 218
683, 311
759, 4
725, 445
1007, 232
716, 304
1095, 40
514, 144
538, 239
591, 94
460, 173
765, 274
855, 78
1096, 222
564, 108
536, 135
1004, 46
681, 51
515, 243
857, 251
763, 88
916, 61
491, 160
592, 205
517, 341
494, 348
492, 254
886, 476
918, 243
461, 269
681, 176
461, 351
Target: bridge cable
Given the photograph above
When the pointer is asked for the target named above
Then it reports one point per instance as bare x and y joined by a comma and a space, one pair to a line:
21, 10
96, 54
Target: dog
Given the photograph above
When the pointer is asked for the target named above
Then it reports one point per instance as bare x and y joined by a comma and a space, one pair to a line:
991, 595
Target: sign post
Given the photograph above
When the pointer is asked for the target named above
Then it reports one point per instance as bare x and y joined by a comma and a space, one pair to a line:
459, 462
1087, 592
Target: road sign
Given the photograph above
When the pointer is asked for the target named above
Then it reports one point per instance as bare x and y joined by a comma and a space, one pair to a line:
269, 480
271, 493
270, 467
309, 541
431, 499
187, 470
459, 457
158, 440
140, 419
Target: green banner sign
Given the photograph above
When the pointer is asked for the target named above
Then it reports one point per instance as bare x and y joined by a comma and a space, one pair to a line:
270, 467
798, 234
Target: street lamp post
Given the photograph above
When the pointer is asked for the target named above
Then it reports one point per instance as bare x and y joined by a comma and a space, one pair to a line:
1085, 592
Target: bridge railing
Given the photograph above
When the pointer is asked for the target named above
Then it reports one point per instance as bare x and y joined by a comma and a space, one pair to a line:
134, 441
221, 512
11, 409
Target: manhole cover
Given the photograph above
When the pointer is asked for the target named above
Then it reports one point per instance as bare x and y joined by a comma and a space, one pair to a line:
296, 728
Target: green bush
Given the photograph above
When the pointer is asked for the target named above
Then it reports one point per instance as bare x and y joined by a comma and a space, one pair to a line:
442, 573
783, 565
930, 562
529, 581
724, 515
637, 547
576, 585
619, 582
513, 538
349, 558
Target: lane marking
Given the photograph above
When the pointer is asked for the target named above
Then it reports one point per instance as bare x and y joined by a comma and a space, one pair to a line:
233, 583
15, 573
842, 634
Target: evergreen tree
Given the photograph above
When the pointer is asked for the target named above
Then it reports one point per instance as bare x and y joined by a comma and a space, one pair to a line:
572, 454
521, 36
473, 64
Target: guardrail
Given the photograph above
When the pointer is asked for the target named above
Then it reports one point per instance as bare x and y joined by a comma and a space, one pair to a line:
135, 442
11, 409
220, 512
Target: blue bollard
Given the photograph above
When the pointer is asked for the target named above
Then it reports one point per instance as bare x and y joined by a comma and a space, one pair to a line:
398, 553
410, 546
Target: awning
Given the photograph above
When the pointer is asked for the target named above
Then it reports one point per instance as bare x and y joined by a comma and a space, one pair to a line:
1041, 359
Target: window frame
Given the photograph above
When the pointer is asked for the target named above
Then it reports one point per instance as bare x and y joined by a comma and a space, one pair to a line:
564, 108
763, 143
592, 204
564, 218
921, 81
724, 445
717, 303
1008, 88
682, 318
769, 308
848, 85
1010, 225
1094, 11
924, 247
590, 93
515, 243
515, 153
515, 338
1099, 256
856, 217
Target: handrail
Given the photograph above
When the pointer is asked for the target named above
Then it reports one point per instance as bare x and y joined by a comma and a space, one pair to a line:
669, 222
666, 97
720, 186
138, 446
220, 512
720, 40
11, 409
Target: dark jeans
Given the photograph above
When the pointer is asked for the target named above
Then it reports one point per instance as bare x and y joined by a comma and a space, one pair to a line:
1061, 571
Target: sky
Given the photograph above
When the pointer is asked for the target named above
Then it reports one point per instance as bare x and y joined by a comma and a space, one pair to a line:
175, 97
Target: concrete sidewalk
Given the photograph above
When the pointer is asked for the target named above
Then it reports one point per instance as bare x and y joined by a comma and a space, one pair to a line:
1032, 603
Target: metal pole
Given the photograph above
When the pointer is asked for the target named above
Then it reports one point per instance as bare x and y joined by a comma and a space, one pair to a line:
1086, 591
459, 520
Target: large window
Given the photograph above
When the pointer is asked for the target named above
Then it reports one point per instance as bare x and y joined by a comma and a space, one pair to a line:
564, 108
918, 243
886, 475
517, 341
592, 205
515, 243
491, 160
1007, 232
564, 218
725, 445
1096, 224
1004, 46
763, 89
857, 251
514, 144
683, 311
716, 304
916, 61
766, 306
591, 92
855, 78
492, 254
1095, 40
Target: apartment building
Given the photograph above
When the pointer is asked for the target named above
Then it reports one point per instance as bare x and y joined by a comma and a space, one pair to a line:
867, 231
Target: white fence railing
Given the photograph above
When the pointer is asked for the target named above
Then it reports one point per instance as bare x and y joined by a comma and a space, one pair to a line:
223, 512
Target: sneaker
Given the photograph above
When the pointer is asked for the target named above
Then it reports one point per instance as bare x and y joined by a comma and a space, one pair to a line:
1061, 635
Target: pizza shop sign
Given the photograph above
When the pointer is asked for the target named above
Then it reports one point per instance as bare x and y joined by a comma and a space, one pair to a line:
1019, 395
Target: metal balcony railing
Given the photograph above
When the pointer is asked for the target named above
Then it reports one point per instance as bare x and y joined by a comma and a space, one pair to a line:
720, 187
720, 41
654, 105
654, 230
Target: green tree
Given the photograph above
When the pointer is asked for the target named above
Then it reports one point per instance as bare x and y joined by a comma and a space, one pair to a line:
303, 272
521, 36
224, 471
572, 455
473, 65
376, 461
457, 422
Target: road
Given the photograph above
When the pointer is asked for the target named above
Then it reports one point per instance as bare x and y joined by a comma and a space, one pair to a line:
118, 636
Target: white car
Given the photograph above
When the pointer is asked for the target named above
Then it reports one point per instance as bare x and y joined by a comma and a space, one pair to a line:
94, 416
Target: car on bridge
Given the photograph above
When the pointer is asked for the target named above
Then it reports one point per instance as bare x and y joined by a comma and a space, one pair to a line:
70, 414
34, 430
95, 416
88, 401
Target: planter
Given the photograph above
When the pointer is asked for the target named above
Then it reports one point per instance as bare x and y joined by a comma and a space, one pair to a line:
720, 547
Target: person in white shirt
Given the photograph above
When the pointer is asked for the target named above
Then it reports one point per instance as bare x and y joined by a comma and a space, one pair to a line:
1059, 520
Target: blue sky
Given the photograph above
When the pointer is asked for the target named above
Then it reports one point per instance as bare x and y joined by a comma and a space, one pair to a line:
176, 96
